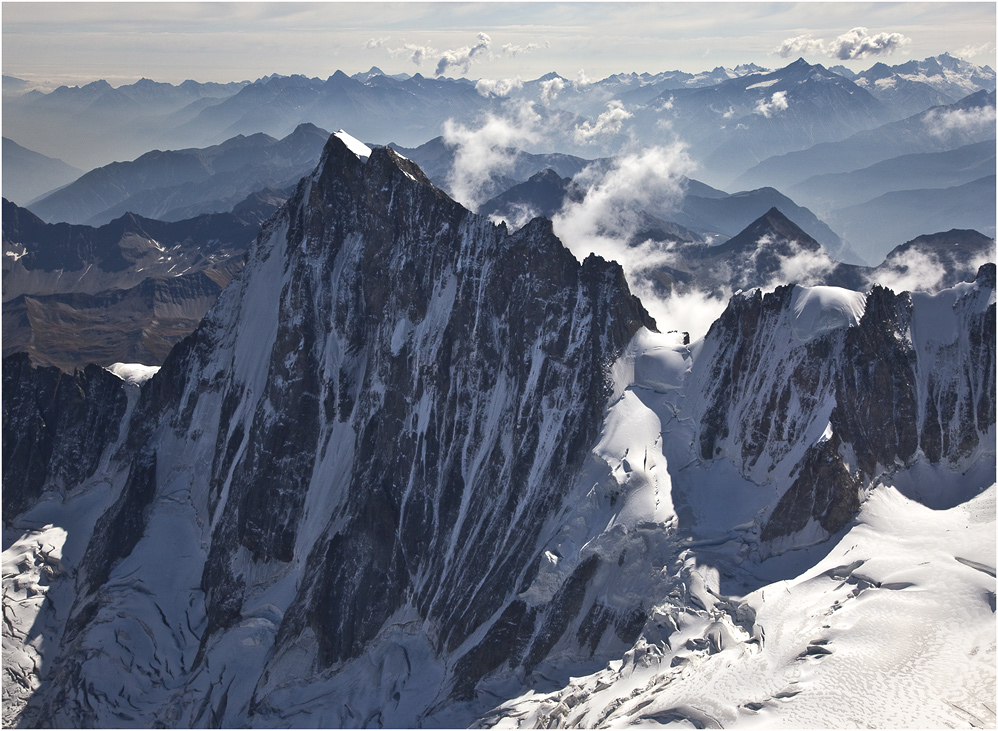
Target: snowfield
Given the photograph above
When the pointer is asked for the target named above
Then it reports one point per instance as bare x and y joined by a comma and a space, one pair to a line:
893, 627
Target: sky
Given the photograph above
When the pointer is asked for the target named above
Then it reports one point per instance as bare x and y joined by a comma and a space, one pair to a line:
54, 43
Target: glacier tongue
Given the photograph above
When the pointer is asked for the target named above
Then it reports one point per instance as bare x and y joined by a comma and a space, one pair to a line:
415, 470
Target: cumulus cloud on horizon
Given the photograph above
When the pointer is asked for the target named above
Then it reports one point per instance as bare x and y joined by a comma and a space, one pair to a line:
853, 44
454, 60
800, 46
462, 58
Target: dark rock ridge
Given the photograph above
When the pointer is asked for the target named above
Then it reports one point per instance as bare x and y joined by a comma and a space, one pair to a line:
55, 428
775, 249
389, 407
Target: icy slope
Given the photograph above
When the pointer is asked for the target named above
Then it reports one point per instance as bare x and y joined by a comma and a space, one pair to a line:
894, 628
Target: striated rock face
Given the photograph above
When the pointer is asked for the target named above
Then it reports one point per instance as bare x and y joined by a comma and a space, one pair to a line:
826, 405
378, 420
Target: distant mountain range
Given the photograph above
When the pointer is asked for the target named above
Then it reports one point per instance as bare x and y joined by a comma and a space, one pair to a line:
176, 184
733, 118
124, 292
914, 86
937, 129
28, 174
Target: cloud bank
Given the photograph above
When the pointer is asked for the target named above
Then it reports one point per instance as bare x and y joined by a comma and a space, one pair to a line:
853, 44
488, 150
499, 87
963, 122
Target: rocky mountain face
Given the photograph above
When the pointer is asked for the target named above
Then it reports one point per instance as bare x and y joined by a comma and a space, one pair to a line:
412, 465
55, 427
442, 407
124, 292
872, 397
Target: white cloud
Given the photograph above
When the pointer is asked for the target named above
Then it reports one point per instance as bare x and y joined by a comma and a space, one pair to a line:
692, 312
910, 272
551, 88
606, 216
605, 220
462, 58
582, 79
488, 150
858, 43
500, 87
800, 46
855, 43
510, 50
417, 54
803, 266
984, 49
777, 103
520, 215
453, 60
960, 122
608, 123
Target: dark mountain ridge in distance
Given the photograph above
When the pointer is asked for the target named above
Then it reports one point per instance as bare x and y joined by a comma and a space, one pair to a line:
176, 184
28, 174
124, 292
773, 249
920, 133
703, 213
